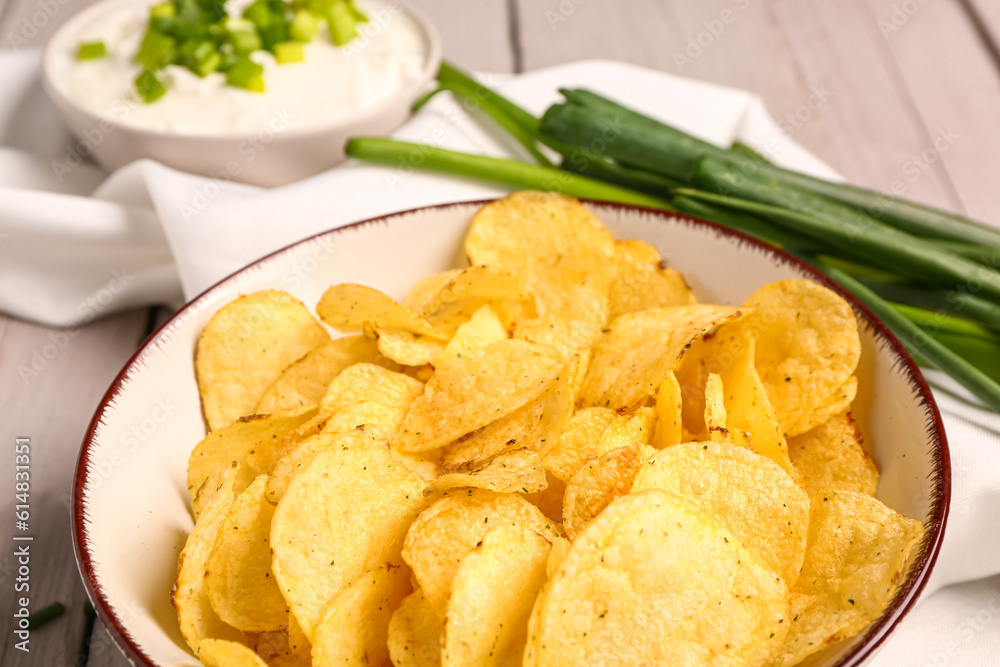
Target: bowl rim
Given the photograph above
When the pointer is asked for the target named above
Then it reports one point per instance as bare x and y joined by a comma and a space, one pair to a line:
904, 600
411, 88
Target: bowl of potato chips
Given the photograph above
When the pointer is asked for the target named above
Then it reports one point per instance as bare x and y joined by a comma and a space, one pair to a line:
528, 431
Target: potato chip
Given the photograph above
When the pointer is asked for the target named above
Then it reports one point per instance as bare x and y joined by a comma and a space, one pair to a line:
476, 389
481, 330
578, 442
655, 580
354, 626
223, 653
638, 349
518, 471
343, 515
245, 347
751, 419
369, 382
452, 527
407, 348
238, 577
856, 555
195, 615
562, 254
831, 457
235, 442
352, 308
415, 633
304, 382
669, 425
807, 347
748, 493
535, 426
492, 595
836, 403
473, 288
295, 462
597, 483
549, 500
715, 410
643, 280
425, 290
284, 648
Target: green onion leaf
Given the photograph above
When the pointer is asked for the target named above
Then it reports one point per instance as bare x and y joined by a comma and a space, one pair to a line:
245, 73
149, 87
91, 50
289, 52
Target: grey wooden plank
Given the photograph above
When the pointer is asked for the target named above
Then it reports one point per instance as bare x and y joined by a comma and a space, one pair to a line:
475, 35
956, 91
102, 650
51, 381
823, 61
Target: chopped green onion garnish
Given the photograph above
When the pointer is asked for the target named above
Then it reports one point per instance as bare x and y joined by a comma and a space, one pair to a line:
40, 617
289, 52
149, 87
341, 22
91, 51
163, 10
246, 74
304, 26
157, 50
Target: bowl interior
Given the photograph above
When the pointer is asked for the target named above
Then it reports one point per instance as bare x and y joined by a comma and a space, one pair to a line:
131, 509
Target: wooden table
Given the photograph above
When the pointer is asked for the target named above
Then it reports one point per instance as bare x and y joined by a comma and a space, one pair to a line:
886, 91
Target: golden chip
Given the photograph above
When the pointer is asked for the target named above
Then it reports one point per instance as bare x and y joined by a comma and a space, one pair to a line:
195, 614
354, 626
481, 330
669, 425
579, 441
638, 350
643, 280
748, 493
856, 555
235, 442
304, 382
345, 514
407, 348
475, 287
245, 347
369, 382
425, 290
518, 471
476, 389
492, 595
352, 308
597, 483
830, 457
549, 500
807, 347
238, 577
415, 633
452, 527
536, 426
655, 580
715, 410
284, 648
223, 653
563, 255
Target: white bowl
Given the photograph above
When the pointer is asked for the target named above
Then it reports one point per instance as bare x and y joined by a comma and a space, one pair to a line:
131, 508
279, 158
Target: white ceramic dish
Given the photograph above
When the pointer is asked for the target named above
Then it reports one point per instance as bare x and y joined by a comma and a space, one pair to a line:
131, 508
265, 158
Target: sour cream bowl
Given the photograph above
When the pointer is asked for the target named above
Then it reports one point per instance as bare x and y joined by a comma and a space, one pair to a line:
296, 129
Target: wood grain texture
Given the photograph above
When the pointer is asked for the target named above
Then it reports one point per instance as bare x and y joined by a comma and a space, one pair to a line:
52, 380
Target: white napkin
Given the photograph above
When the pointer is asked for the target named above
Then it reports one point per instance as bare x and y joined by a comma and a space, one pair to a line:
78, 245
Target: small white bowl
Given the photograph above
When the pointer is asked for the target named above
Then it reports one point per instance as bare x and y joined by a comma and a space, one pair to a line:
290, 155
131, 510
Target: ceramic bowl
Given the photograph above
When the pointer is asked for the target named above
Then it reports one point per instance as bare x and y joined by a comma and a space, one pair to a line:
131, 507
266, 158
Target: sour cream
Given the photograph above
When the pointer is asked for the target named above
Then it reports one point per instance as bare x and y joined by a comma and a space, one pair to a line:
331, 83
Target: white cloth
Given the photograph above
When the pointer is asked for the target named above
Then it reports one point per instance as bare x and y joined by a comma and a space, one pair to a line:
75, 244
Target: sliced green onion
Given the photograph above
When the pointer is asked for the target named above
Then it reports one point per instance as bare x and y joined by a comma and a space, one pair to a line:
340, 22
304, 26
40, 617
245, 73
156, 51
289, 52
149, 87
243, 35
91, 51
